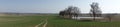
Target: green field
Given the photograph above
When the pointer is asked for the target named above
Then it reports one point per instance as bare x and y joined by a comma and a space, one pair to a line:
53, 21
20, 21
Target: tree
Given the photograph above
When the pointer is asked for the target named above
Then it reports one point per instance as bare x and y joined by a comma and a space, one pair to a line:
95, 11
71, 11
61, 13
110, 16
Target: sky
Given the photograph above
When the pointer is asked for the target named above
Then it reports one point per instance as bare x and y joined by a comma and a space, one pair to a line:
54, 6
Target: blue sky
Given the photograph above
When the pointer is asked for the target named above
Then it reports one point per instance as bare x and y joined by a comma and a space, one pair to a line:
54, 6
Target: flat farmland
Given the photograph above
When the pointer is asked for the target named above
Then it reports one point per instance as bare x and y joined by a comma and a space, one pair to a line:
49, 21
20, 21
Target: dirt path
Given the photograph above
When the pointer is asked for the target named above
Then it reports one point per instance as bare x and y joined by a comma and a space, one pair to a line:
39, 24
44, 22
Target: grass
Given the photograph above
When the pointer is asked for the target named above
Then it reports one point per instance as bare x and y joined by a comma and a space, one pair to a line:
53, 21
20, 21
61, 22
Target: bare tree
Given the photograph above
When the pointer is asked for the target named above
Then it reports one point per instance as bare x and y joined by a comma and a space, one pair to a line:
95, 10
110, 16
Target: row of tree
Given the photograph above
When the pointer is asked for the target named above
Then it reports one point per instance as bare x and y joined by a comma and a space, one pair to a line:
74, 11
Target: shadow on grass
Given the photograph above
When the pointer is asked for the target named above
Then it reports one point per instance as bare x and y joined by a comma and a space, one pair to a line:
61, 18
85, 21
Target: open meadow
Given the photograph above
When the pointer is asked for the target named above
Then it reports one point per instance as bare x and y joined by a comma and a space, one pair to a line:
49, 21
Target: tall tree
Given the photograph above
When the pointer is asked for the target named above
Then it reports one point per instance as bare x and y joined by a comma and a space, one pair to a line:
95, 10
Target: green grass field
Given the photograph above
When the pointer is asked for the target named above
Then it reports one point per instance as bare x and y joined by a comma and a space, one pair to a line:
20, 21
53, 21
